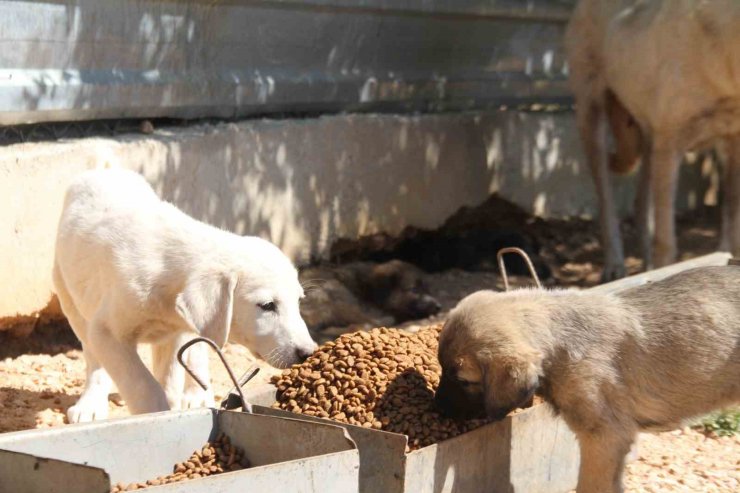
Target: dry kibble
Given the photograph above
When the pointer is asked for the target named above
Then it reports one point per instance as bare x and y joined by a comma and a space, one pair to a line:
213, 458
383, 379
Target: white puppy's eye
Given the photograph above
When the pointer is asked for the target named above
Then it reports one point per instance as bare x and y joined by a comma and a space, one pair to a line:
270, 306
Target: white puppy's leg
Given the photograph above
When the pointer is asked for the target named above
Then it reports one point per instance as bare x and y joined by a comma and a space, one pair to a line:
93, 403
165, 369
182, 391
135, 383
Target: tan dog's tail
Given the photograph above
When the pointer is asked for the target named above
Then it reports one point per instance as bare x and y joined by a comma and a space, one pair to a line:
627, 137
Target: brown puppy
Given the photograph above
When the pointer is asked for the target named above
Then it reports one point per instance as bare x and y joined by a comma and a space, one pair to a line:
611, 365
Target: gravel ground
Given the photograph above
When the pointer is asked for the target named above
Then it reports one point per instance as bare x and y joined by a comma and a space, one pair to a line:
42, 375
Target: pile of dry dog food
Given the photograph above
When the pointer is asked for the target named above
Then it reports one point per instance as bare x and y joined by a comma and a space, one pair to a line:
383, 379
214, 458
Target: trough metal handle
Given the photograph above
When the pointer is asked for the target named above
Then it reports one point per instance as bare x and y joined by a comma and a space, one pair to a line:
523, 254
246, 407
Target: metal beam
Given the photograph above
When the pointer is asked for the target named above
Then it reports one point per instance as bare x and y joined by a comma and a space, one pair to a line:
82, 60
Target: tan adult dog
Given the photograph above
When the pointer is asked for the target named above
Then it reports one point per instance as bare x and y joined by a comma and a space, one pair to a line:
665, 76
611, 365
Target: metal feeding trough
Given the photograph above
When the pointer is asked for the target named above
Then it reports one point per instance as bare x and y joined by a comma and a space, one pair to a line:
285, 454
532, 451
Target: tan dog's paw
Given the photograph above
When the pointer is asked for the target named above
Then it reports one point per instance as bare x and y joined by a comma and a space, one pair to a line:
613, 271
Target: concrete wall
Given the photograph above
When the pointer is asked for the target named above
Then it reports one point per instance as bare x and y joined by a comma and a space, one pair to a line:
304, 183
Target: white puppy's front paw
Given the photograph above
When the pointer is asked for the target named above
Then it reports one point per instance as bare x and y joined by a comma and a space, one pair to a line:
88, 410
196, 398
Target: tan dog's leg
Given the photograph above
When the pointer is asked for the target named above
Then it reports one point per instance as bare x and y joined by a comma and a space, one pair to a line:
603, 457
664, 172
644, 211
731, 200
592, 125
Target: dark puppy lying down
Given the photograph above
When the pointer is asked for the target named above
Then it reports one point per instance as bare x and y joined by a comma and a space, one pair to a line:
611, 365
369, 293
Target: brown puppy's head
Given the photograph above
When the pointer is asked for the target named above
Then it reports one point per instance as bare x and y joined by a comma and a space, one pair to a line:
487, 365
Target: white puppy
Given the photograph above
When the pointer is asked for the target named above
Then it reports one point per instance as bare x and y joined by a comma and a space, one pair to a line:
131, 268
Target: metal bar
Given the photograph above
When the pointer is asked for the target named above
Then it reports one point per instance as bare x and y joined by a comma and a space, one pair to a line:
246, 407
537, 10
521, 253
235, 393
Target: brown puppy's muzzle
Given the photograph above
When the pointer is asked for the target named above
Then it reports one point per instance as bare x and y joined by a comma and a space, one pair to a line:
453, 400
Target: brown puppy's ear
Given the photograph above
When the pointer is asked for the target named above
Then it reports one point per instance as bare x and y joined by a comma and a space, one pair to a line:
509, 382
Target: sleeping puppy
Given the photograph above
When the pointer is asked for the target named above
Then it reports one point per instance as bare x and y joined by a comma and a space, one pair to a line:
365, 293
612, 365
130, 268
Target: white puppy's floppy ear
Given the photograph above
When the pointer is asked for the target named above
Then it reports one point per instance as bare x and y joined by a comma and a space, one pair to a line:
206, 304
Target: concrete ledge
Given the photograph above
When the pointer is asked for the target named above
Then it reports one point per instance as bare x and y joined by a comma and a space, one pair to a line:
304, 183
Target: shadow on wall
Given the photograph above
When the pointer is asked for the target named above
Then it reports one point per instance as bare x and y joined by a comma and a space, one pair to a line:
304, 183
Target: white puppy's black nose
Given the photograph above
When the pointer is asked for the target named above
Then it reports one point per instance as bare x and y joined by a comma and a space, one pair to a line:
301, 354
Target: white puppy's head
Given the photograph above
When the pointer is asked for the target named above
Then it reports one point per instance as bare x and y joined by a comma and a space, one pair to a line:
267, 318
252, 299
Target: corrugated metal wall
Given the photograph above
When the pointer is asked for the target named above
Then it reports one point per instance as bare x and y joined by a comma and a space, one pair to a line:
93, 59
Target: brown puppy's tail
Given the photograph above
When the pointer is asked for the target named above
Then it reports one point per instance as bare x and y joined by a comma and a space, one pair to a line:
627, 137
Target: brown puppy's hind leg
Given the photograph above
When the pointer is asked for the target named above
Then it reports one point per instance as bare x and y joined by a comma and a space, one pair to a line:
603, 457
